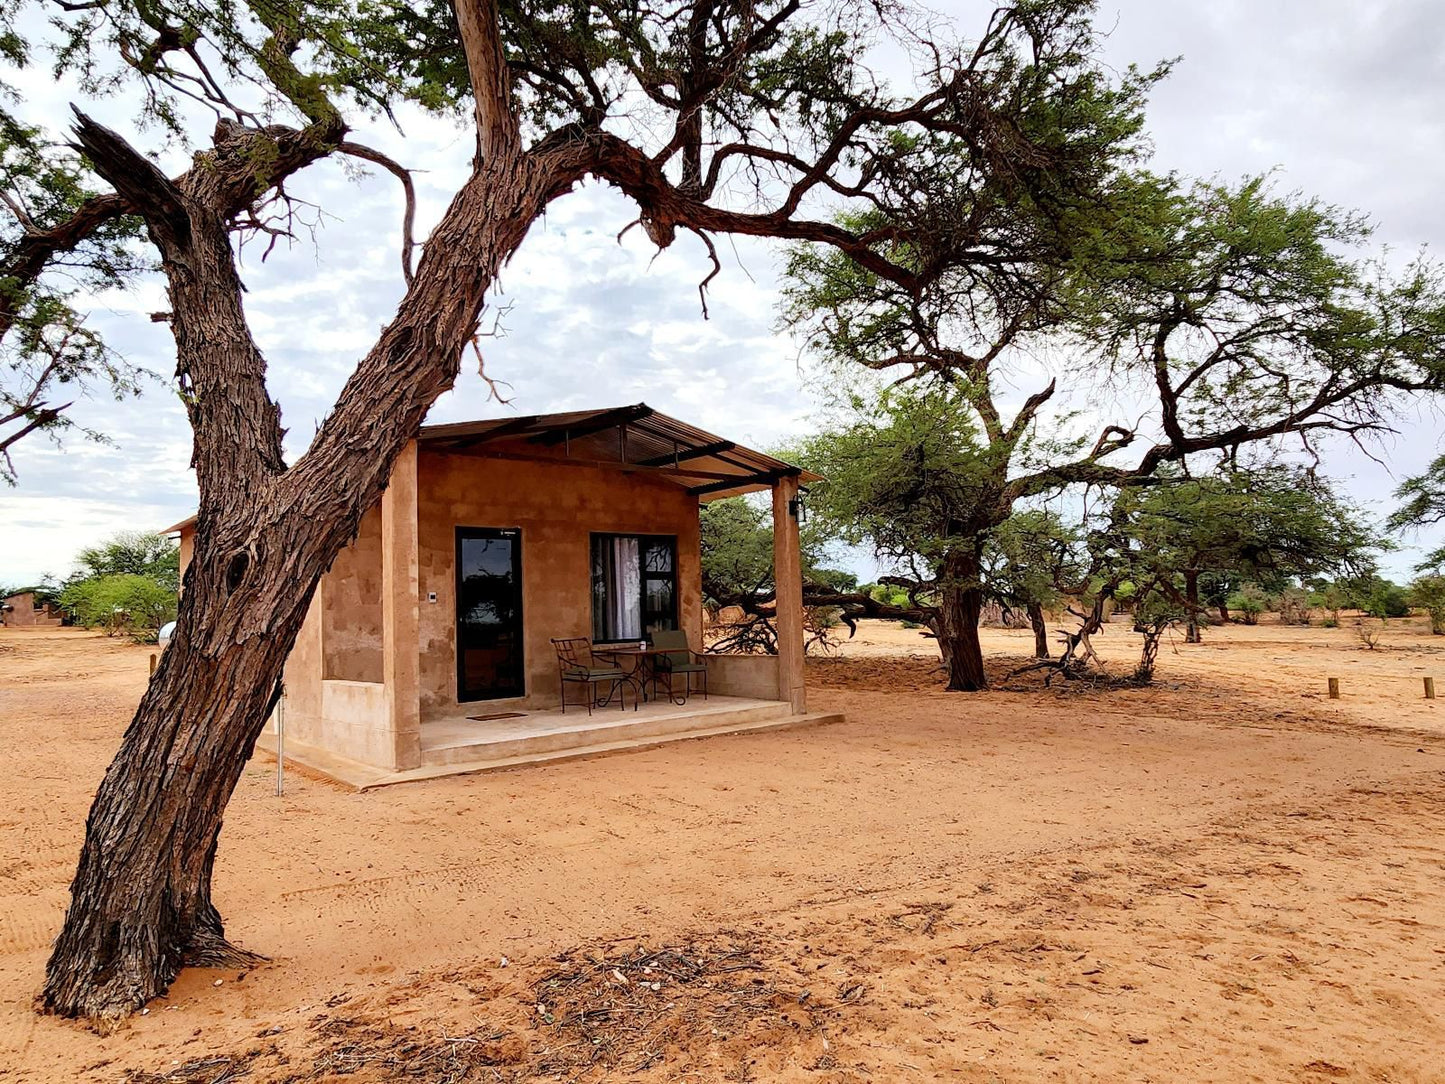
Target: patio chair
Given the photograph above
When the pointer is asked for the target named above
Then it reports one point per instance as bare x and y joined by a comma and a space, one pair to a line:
679, 660
576, 666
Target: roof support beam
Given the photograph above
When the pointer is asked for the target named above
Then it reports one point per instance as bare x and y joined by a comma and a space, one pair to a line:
683, 475
682, 455
762, 478
506, 429
602, 422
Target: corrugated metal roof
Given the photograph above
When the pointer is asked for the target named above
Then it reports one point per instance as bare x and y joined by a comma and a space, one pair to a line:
633, 437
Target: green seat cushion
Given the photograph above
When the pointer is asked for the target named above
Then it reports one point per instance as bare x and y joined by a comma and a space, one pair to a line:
685, 668
586, 674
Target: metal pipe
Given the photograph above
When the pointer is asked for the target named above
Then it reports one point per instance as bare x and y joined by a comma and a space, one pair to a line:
281, 744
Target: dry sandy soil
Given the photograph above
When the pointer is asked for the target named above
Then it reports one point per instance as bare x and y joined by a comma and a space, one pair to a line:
1224, 877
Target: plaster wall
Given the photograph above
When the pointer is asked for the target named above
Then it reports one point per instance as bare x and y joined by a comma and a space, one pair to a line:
346, 717
557, 506
754, 676
21, 612
351, 637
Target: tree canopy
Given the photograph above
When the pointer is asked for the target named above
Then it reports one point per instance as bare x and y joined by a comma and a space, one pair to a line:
1422, 504
754, 117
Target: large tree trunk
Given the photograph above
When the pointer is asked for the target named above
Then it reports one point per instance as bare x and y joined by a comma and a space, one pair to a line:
1191, 596
1041, 631
141, 903
960, 603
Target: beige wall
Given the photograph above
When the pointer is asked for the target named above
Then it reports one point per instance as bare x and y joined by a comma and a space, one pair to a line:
556, 507
351, 607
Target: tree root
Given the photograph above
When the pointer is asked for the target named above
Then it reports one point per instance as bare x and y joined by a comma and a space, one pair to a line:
212, 950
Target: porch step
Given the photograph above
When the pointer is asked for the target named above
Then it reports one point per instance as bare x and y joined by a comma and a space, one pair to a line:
534, 736
374, 778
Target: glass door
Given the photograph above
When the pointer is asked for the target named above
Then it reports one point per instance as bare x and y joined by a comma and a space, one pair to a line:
489, 614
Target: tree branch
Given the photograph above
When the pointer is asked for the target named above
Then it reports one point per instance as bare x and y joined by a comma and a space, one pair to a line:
401, 173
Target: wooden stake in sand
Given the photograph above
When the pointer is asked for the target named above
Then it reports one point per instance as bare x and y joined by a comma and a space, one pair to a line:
153, 666
1429, 688
1334, 688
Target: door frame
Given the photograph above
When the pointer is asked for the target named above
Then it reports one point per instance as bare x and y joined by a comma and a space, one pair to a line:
515, 535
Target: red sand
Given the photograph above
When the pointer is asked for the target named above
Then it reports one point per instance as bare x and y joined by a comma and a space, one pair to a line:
1224, 877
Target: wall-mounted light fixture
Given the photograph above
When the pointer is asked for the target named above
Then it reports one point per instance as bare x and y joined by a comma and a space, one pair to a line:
797, 506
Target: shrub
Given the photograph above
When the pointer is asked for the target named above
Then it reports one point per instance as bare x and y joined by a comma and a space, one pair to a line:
123, 604
1428, 593
1294, 607
890, 595
1369, 632
1249, 602
1387, 599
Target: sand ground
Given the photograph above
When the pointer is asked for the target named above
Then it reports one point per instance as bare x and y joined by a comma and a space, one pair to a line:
1224, 877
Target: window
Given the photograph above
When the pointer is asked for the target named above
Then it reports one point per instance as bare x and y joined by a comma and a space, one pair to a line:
634, 585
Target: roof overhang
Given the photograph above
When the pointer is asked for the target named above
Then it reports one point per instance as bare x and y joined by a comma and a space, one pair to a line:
176, 528
635, 439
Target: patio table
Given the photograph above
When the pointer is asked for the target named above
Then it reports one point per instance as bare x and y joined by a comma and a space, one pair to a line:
636, 663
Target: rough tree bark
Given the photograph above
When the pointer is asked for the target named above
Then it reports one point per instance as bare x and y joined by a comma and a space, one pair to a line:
956, 626
141, 904
1191, 597
1041, 631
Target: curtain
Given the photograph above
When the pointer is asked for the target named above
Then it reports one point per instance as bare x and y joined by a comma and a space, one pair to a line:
622, 571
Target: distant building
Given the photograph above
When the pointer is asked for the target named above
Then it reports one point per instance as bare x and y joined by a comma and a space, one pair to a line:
22, 610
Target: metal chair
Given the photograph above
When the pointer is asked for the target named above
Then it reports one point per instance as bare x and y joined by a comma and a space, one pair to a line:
679, 659
576, 666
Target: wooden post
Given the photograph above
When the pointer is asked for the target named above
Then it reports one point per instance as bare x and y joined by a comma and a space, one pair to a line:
400, 610
1334, 688
153, 670
1429, 688
788, 578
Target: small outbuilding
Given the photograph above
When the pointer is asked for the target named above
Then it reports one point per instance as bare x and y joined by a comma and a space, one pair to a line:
24, 610
429, 646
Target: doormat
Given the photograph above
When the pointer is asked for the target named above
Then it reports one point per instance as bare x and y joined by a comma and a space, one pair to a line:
498, 715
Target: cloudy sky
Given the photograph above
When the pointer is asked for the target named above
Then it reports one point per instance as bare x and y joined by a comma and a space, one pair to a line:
1339, 99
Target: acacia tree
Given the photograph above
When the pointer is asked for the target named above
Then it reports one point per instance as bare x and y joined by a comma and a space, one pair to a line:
1274, 524
1025, 561
1223, 316
712, 115
49, 355
1422, 504
1269, 525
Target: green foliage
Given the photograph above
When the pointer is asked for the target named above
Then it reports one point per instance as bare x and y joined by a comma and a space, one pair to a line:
132, 553
904, 473
49, 356
127, 585
1386, 599
888, 594
121, 604
1028, 556
1269, 526
737, 553
1422, 503
1249, 602
1428, 593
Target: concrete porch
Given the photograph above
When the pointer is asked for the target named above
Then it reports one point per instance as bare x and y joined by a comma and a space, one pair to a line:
459, 745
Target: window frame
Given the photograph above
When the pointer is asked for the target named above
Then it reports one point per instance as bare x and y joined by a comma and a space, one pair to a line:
644, 576
461, 534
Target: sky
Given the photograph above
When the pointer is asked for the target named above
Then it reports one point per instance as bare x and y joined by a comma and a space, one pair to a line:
1341, 100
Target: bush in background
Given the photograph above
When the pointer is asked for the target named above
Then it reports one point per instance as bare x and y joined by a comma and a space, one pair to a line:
1428, 593
122, 604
